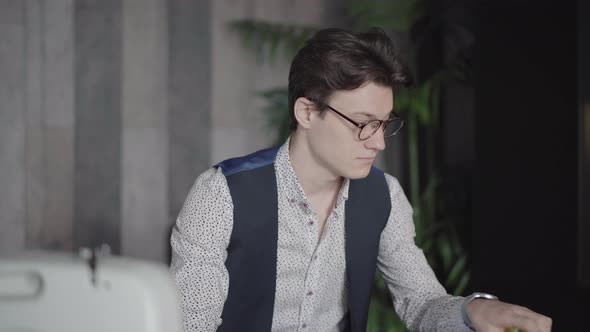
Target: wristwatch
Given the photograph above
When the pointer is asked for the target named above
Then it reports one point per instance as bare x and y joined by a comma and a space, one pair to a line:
470, 298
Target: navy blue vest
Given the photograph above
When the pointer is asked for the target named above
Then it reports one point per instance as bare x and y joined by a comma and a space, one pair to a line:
252, 251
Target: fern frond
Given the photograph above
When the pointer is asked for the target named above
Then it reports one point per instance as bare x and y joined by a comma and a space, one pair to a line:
395, 15
268, 39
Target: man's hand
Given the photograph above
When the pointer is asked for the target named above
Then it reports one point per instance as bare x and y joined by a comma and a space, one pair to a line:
496, 316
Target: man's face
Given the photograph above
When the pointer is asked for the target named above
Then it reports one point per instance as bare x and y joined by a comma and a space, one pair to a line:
334, 141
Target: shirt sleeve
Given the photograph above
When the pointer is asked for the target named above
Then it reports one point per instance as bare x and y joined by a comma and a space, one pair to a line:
418, 298
199, 241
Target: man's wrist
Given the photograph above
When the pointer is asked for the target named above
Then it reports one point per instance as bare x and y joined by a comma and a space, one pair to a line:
469, 299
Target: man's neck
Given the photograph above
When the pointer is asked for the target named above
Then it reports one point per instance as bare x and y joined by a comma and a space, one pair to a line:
314, 178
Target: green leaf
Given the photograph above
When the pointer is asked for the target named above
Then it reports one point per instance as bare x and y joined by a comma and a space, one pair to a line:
277, 111
460, 288
268, 39
373, 319
427, 245
456, 271
446, 254
397, 15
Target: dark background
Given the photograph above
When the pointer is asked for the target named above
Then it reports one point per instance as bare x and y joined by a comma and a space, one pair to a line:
530, 77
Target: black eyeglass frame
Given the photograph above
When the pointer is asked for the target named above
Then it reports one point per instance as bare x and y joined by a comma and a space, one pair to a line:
382, 123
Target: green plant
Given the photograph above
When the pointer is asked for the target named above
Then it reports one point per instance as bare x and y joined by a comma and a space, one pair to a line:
436, 229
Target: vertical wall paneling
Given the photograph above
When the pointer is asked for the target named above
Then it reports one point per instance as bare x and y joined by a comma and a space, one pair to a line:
12, 125
97, 178
189, 101
144, 130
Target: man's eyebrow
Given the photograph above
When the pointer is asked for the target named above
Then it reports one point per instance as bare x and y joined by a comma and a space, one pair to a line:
367, 115
371, 116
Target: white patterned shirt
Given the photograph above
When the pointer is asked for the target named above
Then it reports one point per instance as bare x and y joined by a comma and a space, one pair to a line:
311, 286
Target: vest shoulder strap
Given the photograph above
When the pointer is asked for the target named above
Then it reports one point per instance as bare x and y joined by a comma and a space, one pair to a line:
367, 211
252, 251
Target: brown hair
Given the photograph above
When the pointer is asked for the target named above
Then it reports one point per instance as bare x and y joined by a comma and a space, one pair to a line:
336, 59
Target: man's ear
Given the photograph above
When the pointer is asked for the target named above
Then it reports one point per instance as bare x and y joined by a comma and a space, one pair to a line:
303, 111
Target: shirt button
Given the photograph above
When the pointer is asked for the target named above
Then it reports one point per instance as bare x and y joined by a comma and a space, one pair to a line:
315, 257
310, 222
310, 293
303, 325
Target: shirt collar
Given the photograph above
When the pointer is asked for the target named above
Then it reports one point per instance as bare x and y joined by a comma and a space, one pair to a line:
288, 182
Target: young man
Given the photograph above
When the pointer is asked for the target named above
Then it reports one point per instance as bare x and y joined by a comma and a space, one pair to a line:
289, 238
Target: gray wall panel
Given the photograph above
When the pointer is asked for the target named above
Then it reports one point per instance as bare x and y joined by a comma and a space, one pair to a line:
189, 96
12, 125
145, 130
58, 108
97, 27
35, 161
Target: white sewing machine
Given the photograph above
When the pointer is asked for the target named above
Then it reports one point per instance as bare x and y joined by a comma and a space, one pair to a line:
88, 292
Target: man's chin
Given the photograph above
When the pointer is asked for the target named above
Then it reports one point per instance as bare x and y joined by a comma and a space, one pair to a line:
359, 173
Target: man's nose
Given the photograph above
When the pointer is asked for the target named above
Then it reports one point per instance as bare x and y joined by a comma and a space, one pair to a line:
377, 141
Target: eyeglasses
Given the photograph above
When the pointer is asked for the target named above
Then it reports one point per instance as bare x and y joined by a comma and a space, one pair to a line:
390, 126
